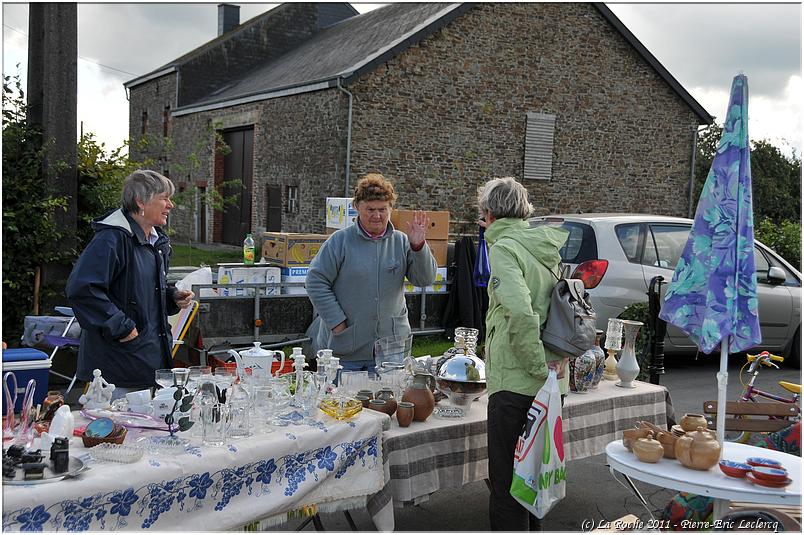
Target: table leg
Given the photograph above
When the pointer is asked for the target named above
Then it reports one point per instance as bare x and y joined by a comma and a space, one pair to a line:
720, 509
636, 492
315, 519
351, 522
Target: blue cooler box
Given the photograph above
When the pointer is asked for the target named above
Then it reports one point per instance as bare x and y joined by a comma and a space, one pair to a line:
26, 364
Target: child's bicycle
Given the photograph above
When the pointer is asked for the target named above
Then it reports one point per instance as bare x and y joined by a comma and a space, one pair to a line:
750, 392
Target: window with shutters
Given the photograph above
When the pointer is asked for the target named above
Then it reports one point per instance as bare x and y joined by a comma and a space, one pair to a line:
539, 134
293, 199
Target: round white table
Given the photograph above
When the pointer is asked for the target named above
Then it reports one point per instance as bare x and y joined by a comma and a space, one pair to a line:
671, 474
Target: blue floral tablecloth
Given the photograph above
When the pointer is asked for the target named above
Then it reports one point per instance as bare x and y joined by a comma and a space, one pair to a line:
337, 464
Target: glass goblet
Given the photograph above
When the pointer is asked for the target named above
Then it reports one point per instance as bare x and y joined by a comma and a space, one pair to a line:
180, 376
164, 377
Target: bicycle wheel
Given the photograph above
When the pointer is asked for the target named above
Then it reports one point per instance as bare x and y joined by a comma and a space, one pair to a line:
741, 437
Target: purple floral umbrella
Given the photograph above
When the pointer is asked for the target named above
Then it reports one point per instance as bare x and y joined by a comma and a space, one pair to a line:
713, 294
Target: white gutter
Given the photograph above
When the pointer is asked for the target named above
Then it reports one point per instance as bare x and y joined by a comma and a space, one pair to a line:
253, 98
143, 79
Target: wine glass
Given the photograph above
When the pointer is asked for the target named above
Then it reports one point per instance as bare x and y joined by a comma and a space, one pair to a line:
195, 373
164, 377
180, 376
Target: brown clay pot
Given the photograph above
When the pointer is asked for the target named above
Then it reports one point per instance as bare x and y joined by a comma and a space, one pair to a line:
364, 400
404, 413
632, 435
368, 393
698, 450
691, 422
422, 397
648, 450
380, 405
388, 395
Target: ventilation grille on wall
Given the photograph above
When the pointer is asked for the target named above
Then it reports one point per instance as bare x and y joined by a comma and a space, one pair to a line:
539, 146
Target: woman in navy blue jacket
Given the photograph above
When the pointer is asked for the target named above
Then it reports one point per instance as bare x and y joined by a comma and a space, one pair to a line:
118, 288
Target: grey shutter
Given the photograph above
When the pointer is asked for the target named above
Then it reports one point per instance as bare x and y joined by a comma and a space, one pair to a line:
539, 134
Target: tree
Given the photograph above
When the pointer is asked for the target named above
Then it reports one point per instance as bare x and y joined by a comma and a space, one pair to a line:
29, 227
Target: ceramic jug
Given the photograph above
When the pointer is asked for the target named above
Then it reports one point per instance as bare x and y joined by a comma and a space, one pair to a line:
257, 357
420, 393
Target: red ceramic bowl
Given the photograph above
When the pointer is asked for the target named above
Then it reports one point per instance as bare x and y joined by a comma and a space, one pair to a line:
734, 469
763, 461
767, 482
769, 474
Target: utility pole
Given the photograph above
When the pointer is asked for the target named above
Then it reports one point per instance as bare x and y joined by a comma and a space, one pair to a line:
52, 89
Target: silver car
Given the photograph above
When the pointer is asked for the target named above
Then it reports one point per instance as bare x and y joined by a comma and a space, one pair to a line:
617, 255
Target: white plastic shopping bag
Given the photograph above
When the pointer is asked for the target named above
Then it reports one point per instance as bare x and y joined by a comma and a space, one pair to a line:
539, 468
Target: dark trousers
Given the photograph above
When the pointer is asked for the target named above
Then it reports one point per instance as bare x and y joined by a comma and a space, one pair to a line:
507, 413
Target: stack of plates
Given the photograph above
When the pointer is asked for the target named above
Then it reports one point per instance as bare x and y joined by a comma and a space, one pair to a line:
677, 431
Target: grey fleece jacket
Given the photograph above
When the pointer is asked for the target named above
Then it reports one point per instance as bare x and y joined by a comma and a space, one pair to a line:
360, 280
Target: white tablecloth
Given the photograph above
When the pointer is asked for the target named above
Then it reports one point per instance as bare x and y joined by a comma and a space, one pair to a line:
335, 466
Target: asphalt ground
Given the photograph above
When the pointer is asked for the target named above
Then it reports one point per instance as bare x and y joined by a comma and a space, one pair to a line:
594, 496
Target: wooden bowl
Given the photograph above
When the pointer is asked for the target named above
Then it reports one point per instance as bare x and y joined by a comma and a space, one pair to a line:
117, 436
632, 435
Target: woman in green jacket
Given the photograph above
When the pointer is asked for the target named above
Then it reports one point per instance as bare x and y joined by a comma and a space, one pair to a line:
516, 361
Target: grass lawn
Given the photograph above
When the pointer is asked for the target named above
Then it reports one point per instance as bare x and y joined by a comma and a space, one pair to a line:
186, 255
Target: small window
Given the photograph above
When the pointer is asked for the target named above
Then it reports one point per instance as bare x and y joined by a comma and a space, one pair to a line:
665, 246
539, 132
631, 239
166, 121
144, 123
762, 265
293, 199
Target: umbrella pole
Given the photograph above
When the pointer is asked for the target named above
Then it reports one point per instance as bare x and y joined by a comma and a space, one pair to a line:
722, 384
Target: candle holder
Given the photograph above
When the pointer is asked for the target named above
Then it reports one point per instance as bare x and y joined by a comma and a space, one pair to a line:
614, 343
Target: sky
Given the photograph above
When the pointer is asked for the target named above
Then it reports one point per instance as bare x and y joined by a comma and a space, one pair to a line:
702, 45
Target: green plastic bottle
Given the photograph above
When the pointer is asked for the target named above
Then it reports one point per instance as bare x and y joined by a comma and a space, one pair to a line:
248, 250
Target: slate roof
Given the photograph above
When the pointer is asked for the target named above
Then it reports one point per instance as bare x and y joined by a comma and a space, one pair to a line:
345, 50
357, 45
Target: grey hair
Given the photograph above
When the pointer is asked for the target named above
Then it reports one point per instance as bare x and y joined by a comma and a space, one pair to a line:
504, 197
144, 184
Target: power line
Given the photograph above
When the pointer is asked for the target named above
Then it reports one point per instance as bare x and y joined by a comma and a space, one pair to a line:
80, 57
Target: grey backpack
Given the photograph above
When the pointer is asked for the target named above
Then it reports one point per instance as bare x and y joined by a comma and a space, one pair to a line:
571, 319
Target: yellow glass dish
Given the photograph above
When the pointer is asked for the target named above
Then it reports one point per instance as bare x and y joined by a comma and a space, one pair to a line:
340, 408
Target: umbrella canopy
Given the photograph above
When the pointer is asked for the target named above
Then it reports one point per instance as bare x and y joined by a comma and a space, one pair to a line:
713, 294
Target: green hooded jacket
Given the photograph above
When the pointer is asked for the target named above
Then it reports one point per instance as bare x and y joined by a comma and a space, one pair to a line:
519, 297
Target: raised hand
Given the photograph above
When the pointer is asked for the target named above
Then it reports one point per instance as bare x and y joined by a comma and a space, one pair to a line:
417, 229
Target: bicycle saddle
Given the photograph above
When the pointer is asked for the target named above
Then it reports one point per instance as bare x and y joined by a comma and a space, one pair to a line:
790, 387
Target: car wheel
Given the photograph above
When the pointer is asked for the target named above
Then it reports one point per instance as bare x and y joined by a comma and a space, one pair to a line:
793, 359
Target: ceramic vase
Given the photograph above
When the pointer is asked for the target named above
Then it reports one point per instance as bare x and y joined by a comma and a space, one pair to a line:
600, 360
628, 367
582, 372
404, 413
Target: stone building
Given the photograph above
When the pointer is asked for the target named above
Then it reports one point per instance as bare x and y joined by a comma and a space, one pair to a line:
437, 97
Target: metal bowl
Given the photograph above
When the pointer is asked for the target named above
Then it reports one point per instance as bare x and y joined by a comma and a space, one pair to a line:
462, 378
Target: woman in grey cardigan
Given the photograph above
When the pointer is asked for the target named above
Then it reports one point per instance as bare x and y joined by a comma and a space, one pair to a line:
355, 282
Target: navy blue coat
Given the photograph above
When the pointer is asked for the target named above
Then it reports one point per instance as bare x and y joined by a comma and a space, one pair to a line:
119, 282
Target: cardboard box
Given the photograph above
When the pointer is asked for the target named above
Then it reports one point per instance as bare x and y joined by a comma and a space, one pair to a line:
437, 230
439, 248
340, 212
330, 231
288, 249
235, 275
441, 275
294, 274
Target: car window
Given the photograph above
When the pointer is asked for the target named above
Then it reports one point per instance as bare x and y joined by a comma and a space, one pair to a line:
581, 245
764, 260
630, 238
665, 245
762, 265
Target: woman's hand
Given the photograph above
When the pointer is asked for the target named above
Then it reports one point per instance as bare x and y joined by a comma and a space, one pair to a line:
417, 229
183, 298
131, 336
559, 366
339, 328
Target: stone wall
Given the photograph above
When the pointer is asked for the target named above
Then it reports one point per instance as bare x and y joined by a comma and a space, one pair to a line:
151, 97
449, 113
